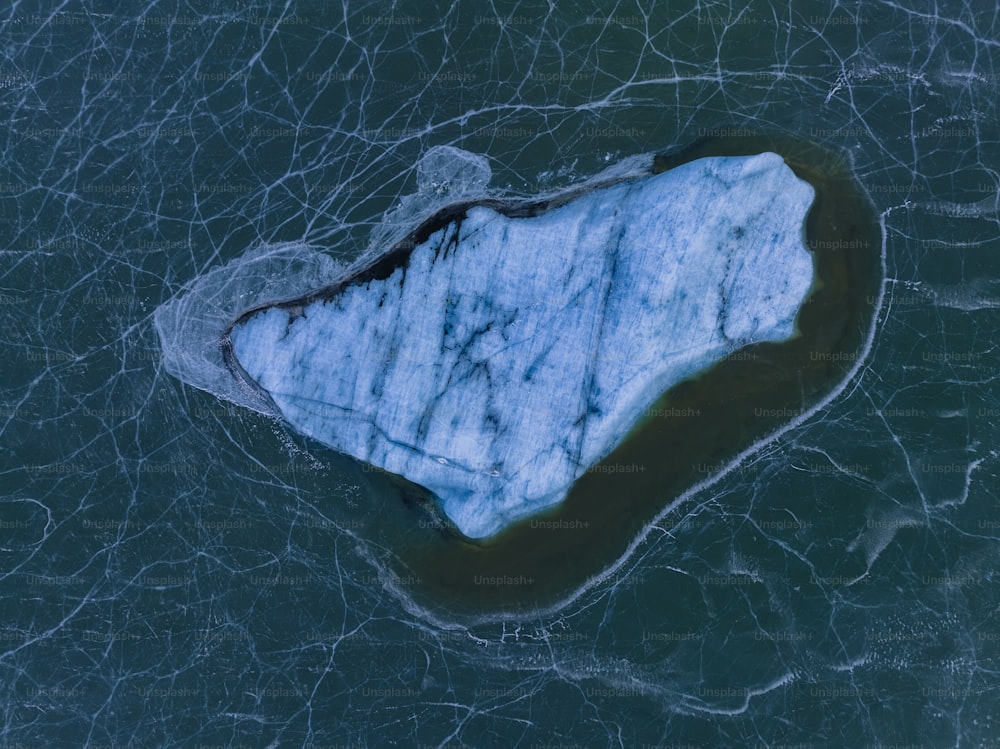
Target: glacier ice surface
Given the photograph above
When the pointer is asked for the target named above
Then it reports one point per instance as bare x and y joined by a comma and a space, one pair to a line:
506, 356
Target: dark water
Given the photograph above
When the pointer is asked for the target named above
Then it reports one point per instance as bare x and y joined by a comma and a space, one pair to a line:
177, 571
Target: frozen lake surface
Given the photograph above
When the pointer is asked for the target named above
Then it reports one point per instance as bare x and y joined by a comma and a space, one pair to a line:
183, 571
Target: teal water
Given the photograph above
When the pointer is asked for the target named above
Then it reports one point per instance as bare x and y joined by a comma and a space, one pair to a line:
177, 571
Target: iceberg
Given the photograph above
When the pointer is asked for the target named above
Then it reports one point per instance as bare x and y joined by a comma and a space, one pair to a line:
511, 349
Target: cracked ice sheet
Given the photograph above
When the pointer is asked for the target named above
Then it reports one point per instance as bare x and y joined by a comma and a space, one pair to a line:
180, 572
512, 354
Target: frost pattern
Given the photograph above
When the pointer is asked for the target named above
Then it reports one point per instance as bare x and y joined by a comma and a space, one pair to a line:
191, 325
176, 571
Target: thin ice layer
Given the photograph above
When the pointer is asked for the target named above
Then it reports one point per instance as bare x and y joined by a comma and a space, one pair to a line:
510, 355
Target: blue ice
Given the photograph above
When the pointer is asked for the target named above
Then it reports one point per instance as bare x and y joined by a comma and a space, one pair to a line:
512, 354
